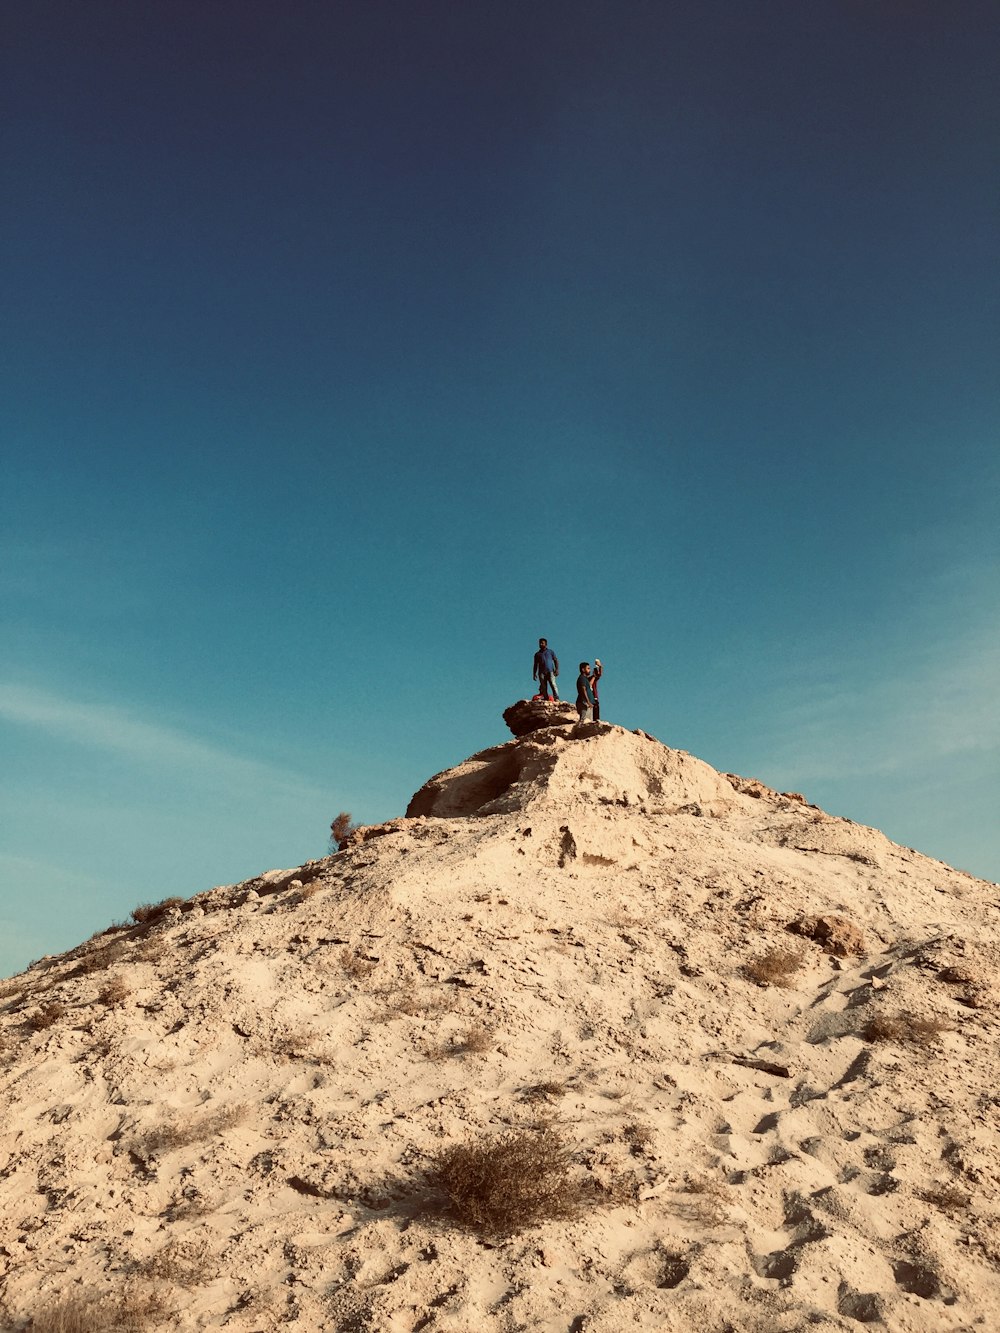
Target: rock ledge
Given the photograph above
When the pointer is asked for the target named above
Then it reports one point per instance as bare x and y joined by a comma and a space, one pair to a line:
529, 715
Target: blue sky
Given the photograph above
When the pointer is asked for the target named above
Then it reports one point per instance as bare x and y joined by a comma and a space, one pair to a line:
349, 348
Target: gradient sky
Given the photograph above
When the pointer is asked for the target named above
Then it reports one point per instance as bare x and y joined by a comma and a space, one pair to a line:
349, 347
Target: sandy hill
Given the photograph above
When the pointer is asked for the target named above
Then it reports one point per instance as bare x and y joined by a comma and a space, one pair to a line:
544, 1054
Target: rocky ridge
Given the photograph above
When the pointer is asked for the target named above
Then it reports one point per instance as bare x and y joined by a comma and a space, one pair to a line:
767, 1035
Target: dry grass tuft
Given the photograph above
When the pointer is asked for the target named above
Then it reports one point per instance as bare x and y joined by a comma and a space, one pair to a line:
114, 994
185, 1263
133, 1310
712, 1199
902, 1027
776, 967
503, 1184
356, 966
639, 1138
148, 913
949, 1198
475, 1040
411, 1002
171, 1136
45, 1017
543, 1092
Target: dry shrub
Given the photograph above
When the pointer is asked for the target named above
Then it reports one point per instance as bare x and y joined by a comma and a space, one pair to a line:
639, 1138
413, 1003
170, 1136
340, 830
475, 1040
185, 1263
114, 994
298, 1044
148, 913
904, 1027
949, 1198
133, 1310
99, 958
505, 1183
543, 1092
45, 1017
356, 967
712, 1199
776, 967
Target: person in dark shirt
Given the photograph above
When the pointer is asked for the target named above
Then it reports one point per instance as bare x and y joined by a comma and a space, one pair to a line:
545, 670
584, 694
595, 676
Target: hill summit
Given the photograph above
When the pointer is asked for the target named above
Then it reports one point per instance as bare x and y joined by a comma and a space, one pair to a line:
594, 1038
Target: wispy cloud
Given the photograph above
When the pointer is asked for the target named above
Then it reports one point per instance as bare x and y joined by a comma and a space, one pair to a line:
125, 733
874, 711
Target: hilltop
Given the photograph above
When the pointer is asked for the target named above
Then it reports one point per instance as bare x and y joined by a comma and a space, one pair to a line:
764, 1035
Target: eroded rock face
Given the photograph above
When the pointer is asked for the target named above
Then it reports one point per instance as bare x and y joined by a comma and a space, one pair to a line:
835, 934
529, 715
592, 764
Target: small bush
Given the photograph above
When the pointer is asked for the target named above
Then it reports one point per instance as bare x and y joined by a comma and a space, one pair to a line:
148, 913
45, 1017
114, 994
133, 1310
543, 1092
776, 967
356, 967
949, 1198
340, 830
413, 1003
475, 1040
185, 1263
506, 1183
171, 1136
904, 1027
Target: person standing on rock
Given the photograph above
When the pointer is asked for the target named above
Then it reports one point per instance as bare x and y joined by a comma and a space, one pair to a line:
545, 670
584, 694
595, 676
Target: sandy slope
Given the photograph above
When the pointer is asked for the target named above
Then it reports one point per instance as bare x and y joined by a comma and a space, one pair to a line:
244, 1133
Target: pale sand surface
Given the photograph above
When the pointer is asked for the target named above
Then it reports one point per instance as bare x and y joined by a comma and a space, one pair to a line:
244, 1132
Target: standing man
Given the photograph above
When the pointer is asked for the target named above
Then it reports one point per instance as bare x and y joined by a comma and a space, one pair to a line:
595, 676
584, 694
545, 670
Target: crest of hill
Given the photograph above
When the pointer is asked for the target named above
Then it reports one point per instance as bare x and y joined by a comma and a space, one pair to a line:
231, 1112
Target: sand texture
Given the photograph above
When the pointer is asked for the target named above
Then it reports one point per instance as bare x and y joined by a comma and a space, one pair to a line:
231, 1115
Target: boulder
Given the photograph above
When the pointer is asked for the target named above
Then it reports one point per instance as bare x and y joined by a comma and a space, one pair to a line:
529, 715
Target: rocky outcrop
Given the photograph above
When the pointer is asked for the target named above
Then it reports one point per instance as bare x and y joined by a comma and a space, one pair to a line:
529, 715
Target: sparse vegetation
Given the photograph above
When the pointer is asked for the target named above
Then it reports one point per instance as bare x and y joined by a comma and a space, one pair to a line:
114, 994
133, 1310
355, 965
639, 1138
185, 1263
170, 1136
502, 1184
775, 967
45, 1017
340, 830
411, 1002
712, 1199
949, 1198
902, 1027
543, 1092
475, 1040
146, 914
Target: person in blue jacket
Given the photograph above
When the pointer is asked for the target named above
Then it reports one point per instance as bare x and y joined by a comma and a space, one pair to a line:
545, 670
